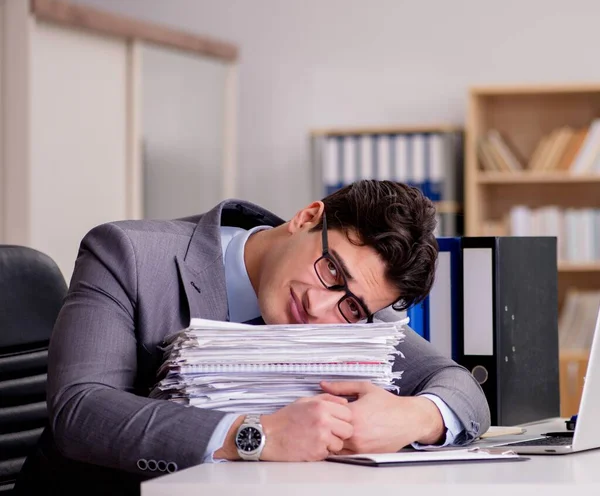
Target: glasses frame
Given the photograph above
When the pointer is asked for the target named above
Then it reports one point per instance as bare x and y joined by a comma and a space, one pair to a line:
338, 287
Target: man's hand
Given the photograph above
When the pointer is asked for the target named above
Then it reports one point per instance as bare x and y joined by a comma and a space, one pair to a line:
307, 430
384, 422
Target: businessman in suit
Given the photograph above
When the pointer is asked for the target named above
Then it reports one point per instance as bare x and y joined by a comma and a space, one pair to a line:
357, 252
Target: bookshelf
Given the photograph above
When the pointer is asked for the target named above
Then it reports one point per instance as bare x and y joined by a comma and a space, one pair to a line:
523, 115
427, 156
540, 174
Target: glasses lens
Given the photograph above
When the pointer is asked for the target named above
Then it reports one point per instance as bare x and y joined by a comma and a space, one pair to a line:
352, 310
329, 272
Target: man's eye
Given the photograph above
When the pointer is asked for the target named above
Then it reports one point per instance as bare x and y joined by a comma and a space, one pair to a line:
332, 268
354, 308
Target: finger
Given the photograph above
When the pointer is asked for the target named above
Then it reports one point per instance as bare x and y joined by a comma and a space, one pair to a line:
341, 429
340, 412
346, 388
330, 397
335, 445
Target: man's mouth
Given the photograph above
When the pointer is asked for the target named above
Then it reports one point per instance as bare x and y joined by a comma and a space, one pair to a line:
297, 310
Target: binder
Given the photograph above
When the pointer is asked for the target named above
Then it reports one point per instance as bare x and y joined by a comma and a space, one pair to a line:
438, 318
419, 150
509, 339
349, 160
384, 172
444, 302
416, 314
437, 167
366, 157
401, 158
333, 164
426, 186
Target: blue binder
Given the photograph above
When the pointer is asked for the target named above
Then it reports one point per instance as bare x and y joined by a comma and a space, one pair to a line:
416, 314
445, 302
438, 318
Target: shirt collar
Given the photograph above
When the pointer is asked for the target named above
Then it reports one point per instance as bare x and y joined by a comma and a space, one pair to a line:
241, 298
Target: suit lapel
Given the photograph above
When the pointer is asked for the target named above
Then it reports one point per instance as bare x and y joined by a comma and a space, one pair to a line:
201, 269
205, 291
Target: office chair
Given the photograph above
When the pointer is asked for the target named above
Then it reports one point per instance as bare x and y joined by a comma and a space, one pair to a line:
32, 290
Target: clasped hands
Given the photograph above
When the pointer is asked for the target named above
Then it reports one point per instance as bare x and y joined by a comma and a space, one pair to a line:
310, 429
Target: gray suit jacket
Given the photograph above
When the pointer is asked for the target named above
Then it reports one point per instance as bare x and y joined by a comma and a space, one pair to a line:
134, 283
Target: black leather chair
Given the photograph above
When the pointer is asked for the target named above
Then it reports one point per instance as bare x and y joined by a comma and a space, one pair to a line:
32, 290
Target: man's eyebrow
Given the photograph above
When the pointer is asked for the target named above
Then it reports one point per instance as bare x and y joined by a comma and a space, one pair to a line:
349, 277
343, 265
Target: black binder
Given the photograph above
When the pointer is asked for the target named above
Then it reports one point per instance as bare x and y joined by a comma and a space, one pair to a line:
509, 339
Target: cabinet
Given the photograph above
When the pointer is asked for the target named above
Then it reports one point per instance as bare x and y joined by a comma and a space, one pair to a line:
106, 118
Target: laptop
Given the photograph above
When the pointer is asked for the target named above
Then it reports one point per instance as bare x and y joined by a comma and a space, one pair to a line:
587, 429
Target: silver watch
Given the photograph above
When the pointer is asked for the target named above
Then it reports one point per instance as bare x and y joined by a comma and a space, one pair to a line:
250, 438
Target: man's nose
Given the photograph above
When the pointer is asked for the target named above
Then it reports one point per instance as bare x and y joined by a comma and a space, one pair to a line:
321, 301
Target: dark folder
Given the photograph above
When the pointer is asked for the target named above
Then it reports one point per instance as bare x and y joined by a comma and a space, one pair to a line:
509, 339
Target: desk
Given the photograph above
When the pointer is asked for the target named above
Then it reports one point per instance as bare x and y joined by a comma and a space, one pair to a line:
576, 474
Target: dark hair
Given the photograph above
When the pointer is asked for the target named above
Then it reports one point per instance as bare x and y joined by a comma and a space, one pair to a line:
398, 222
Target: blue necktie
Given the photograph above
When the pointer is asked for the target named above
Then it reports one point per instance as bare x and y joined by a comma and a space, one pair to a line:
256, 321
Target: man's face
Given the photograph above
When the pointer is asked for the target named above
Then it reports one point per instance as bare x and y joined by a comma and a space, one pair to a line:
290, 291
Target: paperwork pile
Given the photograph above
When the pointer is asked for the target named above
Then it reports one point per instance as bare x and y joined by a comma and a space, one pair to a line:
259, 369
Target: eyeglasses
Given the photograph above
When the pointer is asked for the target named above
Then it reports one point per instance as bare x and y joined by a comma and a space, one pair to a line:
332, 277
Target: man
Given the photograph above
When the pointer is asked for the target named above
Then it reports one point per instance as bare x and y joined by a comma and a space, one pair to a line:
137, 281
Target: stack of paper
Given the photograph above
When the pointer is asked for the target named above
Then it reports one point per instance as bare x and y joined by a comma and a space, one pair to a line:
260, 369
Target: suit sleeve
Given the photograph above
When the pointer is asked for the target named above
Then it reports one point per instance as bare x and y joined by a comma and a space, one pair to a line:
95, 415
425, 371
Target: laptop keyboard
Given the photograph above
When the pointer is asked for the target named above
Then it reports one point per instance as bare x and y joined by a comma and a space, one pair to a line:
545, 441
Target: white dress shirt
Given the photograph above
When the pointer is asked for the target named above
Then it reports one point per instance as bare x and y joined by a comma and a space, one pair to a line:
243, 306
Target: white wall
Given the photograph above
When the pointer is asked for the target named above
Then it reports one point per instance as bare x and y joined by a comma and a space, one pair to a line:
182, 124
78, 165
316, 63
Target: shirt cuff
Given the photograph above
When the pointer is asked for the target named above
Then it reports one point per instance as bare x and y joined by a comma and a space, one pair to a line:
218, 438
452, 423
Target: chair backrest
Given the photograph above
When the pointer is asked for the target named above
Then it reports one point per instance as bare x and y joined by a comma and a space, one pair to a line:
32, 290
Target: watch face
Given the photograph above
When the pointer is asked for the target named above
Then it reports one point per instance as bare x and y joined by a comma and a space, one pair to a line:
248, 439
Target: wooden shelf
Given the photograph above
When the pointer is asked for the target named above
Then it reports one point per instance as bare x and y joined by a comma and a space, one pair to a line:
448, 207
535, 89
535, 177
443, 128
579, 267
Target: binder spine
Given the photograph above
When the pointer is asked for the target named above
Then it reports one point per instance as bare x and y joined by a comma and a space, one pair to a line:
417, 319
479, 347
444, 310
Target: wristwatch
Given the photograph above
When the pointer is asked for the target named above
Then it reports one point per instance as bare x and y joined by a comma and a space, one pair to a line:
250, 438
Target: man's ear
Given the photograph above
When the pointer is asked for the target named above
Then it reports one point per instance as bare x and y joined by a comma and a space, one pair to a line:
308, 217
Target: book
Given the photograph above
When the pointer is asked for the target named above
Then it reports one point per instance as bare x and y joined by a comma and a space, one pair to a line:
572, 150
502, 149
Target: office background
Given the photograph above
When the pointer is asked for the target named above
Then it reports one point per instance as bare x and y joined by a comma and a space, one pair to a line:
292, 67
337, 63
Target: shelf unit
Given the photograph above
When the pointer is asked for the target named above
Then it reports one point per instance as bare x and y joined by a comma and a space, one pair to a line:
523, 115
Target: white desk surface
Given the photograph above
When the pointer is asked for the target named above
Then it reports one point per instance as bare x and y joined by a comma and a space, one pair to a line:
576, 474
